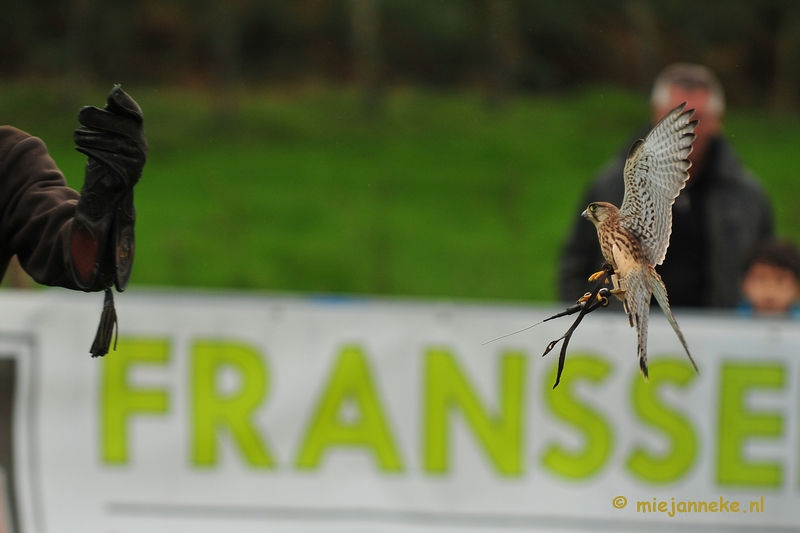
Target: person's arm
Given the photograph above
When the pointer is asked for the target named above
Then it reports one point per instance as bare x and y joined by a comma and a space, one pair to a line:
36, 209
62, 238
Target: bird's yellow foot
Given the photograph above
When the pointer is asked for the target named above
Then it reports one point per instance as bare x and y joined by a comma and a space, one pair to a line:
597, 275
594, 277
585, 298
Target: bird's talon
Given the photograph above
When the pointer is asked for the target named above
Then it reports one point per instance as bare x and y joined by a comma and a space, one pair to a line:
597, 275
600, 297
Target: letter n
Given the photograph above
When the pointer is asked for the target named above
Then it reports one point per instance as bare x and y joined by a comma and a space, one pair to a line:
447, 389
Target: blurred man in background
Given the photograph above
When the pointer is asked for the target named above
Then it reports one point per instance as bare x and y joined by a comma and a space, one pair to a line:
718, 219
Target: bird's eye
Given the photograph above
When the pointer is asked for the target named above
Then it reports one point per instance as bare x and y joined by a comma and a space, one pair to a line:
593, 207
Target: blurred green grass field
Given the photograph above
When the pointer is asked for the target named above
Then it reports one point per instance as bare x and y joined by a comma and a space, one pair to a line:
438, 196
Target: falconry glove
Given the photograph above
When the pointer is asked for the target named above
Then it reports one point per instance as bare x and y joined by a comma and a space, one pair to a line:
102, 235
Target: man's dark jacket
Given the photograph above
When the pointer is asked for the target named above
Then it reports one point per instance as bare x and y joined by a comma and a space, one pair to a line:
737, 216
36, 209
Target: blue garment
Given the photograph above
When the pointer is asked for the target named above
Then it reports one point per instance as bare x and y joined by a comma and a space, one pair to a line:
745, 308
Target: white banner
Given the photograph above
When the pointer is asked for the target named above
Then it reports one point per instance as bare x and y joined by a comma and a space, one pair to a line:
241, 413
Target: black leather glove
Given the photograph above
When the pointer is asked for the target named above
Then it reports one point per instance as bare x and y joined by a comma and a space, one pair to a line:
102, 238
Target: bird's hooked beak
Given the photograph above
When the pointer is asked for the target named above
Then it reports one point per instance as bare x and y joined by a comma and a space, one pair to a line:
585, 213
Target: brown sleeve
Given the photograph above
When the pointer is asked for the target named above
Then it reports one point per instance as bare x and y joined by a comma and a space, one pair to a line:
36, 209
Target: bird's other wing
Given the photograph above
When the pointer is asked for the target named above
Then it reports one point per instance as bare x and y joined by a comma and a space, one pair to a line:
660, 292
637, 302
655, 172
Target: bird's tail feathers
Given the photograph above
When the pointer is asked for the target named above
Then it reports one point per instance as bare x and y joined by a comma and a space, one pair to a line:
660, 292
637, 305
643, 368
628, 312
640, 317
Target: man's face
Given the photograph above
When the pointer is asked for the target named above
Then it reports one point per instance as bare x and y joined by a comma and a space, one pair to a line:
709, 122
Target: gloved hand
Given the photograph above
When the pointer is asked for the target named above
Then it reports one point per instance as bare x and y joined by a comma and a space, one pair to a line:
102, 238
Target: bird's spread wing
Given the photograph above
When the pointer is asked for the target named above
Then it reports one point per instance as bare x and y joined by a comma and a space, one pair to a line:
655, 172
637, 304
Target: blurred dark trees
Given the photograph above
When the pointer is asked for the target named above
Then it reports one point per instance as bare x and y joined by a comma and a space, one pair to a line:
500, 46
366, 50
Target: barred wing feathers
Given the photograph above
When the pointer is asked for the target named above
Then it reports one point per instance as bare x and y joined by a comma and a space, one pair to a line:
655, 172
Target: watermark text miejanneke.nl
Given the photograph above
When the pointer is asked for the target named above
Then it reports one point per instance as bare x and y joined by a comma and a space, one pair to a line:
671, 508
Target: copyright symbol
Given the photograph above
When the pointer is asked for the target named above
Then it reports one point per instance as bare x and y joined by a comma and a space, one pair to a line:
619, 502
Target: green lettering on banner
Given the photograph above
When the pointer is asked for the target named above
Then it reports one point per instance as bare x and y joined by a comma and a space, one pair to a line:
351, 381
119, 401
448, 388
737, 424
213, 411
674, 464
563, 404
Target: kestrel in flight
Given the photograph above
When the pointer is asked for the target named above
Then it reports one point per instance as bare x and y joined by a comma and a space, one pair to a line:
634, 238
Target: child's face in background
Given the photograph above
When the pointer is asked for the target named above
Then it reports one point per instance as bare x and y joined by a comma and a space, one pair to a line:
770, 289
